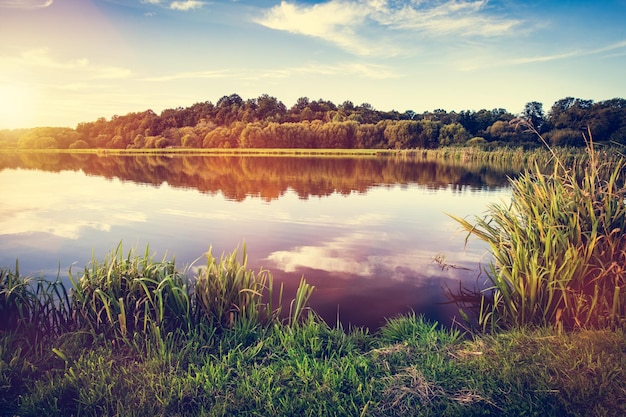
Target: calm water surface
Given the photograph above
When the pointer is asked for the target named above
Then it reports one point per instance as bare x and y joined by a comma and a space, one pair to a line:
363, 231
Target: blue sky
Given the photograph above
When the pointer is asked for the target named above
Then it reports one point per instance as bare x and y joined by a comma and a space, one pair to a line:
67, 61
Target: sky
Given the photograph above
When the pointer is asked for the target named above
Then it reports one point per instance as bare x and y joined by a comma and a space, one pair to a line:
63, 62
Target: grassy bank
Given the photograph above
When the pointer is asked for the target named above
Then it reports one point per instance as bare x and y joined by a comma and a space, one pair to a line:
409, 368
134, 337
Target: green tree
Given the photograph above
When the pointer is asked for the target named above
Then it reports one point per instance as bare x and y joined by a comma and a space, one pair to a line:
476, 141
504, 132
565, 137
533, 112
270, 108
452, 134
403, 134
429, 136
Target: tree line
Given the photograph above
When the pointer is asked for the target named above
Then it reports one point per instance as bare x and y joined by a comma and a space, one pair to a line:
265, 122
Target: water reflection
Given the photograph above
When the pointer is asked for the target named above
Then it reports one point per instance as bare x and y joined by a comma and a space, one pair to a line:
364, 231
269, 177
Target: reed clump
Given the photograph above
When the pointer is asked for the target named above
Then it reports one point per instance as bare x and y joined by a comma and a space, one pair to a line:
33, 307
122, 295
226, 290
559, 247
127, 295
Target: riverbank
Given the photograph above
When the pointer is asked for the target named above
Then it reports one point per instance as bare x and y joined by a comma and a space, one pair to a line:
173, 151
132, 338
409, 367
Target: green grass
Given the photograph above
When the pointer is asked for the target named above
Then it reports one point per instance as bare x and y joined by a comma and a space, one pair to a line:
134, 343
410, 367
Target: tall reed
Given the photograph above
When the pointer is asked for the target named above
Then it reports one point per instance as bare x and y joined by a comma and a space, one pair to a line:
226, 291
559, 247
30, 306
126, 295
121, 295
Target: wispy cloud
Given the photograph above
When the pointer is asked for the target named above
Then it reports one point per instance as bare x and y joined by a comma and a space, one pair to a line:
611, 47
41, 59
111, 72
25, 4
544, 58
464, 18
572, 54
358, 69
355, 69
384, 27
193, 75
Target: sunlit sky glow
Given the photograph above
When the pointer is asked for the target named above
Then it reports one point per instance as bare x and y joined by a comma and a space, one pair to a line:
68, 61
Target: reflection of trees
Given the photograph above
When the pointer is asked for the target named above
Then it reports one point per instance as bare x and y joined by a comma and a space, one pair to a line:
269, 177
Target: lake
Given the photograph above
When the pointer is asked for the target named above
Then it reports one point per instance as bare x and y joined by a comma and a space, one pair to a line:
365, 231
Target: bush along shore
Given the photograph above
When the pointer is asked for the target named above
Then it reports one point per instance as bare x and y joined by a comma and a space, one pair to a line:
136, 336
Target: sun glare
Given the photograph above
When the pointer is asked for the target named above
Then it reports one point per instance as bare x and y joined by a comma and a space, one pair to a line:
17, 106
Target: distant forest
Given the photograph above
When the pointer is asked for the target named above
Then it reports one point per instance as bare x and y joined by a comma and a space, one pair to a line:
265, 122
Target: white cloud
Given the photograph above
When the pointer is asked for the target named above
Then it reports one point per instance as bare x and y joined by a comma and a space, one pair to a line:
545, 58
611, 47
334, 21
383, 27
186, 5
345, 255
25, 4
337, 255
